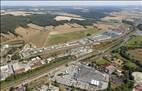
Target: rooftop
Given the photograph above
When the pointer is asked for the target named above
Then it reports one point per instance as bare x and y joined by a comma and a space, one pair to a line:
87, 74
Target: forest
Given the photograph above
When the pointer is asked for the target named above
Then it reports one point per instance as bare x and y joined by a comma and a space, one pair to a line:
10, 22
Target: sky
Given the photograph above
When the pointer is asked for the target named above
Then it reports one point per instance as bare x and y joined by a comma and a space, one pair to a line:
68, 3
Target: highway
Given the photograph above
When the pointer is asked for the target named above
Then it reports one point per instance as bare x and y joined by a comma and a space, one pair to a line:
42, 73
31, 77
28, 79
120, 42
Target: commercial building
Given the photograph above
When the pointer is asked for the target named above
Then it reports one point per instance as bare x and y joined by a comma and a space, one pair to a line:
80, 51
36, 62
83, 77
19, 67
5, 71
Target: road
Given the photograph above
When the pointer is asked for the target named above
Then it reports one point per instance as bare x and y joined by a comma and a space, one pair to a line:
36, 76
117, 45
63, 65
120, 42
31, 77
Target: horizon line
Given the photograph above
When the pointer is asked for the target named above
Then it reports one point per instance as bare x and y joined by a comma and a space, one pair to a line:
71, 3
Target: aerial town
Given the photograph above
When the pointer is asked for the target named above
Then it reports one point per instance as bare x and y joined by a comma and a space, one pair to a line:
62, 48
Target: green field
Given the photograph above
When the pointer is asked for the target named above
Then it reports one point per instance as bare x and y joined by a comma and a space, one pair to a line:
136, 54
136, 41
62, 38
111, 21
130, 65
102, 61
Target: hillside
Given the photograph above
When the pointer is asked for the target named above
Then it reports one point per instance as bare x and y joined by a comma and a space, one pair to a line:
9, 22
48, 15
46, 35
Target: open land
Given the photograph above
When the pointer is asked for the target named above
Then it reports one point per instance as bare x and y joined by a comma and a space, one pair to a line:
70, 50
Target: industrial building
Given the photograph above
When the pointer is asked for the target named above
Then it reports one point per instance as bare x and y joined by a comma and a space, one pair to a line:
6, 71
83, 77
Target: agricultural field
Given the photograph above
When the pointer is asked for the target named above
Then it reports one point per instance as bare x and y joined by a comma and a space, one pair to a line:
102, 61
135, 41
68, 18
136, 54
61, 38
54, 35
130, 65
66, 28
131, 54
